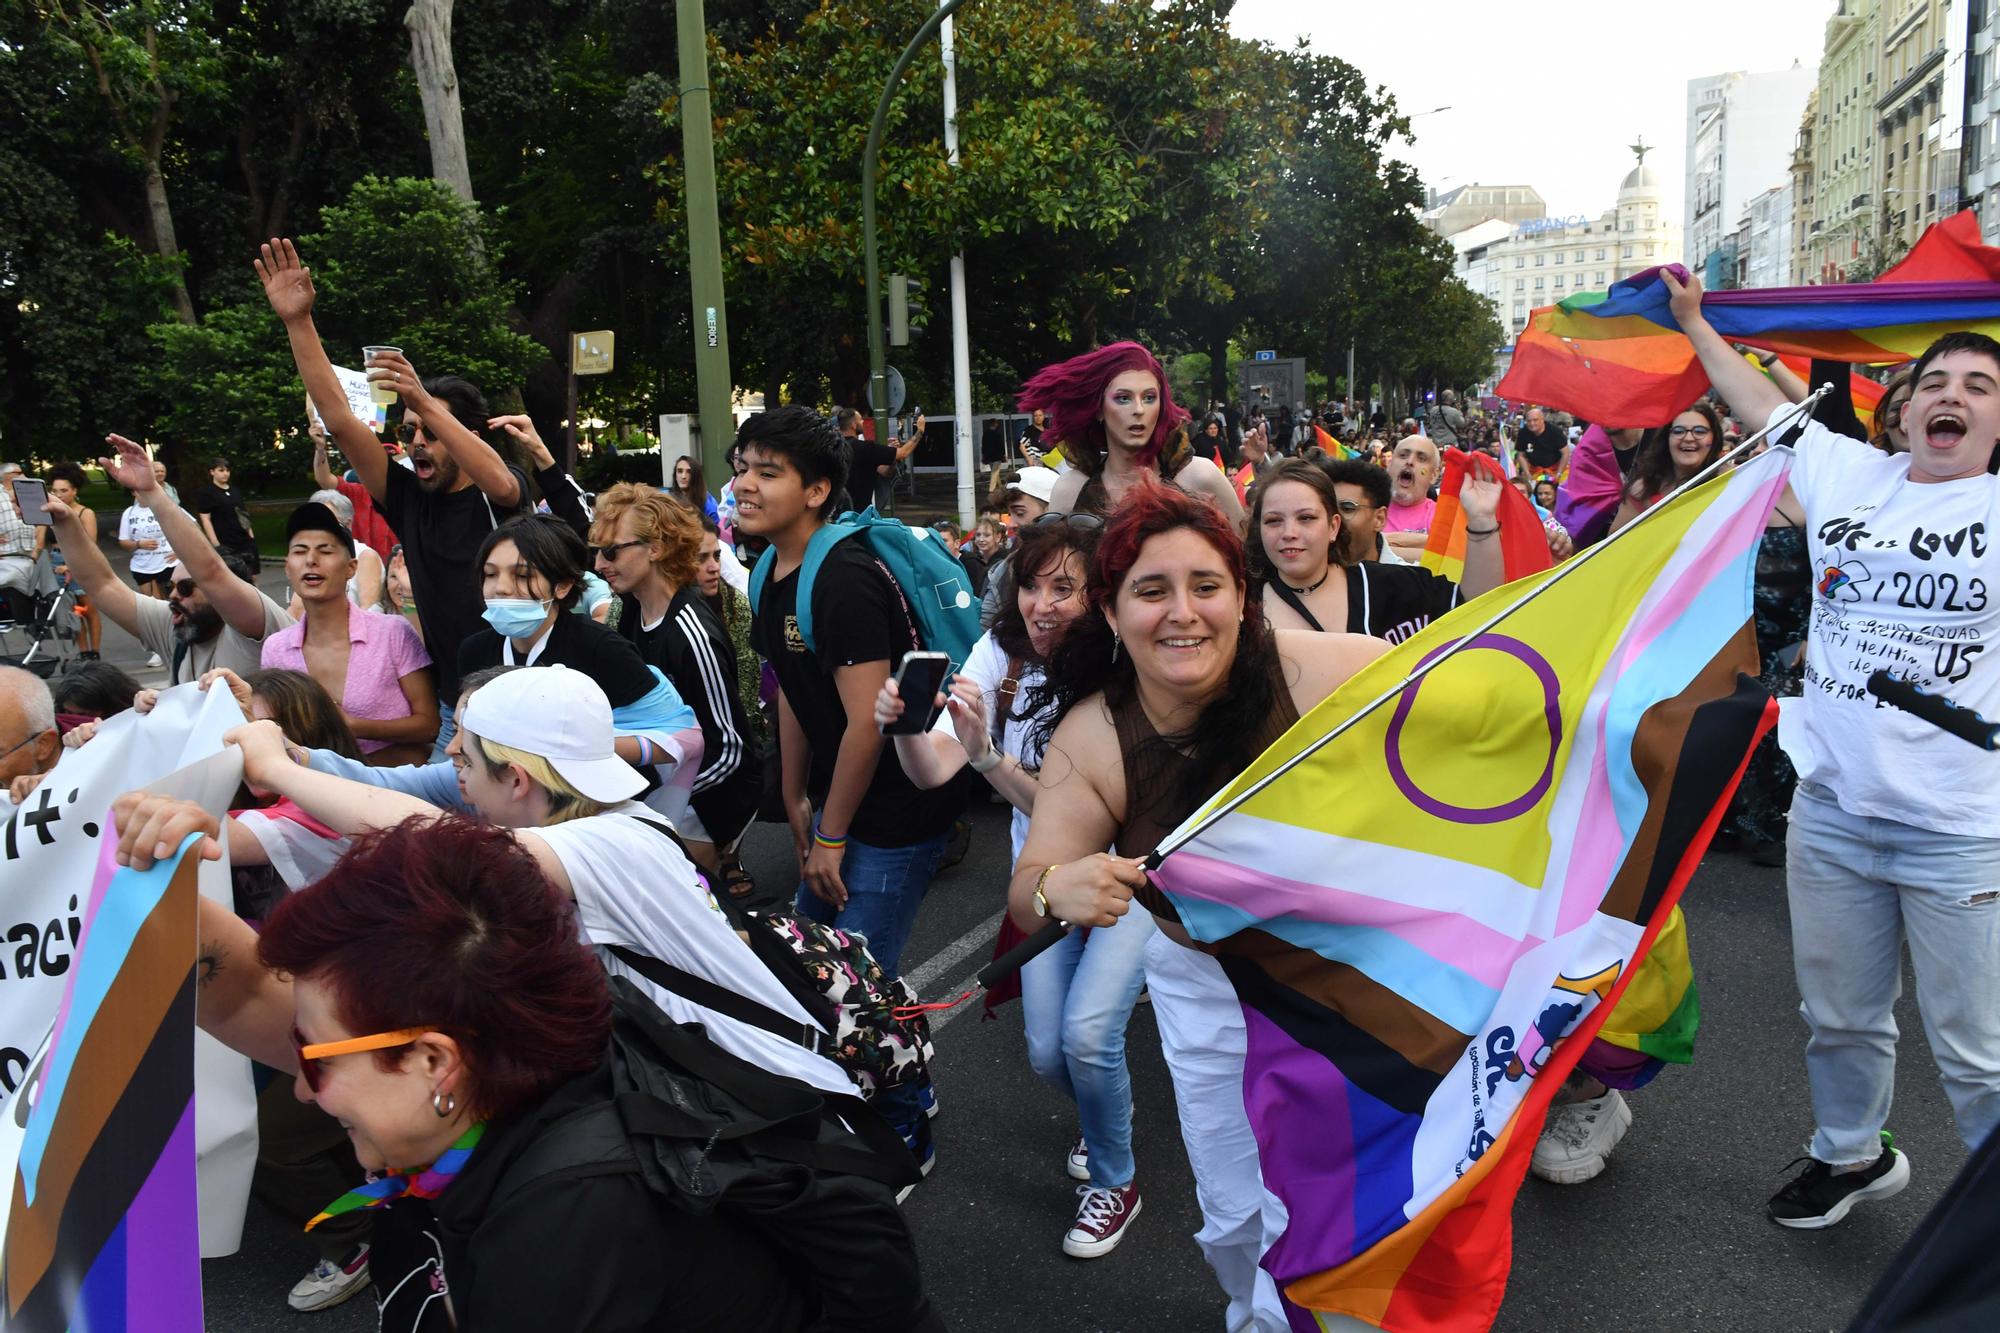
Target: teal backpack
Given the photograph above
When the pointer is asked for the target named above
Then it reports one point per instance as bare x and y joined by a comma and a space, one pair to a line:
934, 584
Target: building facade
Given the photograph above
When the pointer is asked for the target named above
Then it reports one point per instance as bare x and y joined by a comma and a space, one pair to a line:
1452, 211
1803, 271
1917, 124
1979, 162
1740, 140
1767, 238
1844, 142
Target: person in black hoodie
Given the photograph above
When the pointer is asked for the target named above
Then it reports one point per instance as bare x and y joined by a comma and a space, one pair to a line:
647, 546
432, 993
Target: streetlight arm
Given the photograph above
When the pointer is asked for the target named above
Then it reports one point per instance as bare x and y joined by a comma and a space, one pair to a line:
878, 352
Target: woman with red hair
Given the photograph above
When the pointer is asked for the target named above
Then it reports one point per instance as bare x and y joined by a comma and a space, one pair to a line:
1167, 688
1114, 415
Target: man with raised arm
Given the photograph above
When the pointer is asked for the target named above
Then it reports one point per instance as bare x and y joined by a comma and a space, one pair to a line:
1895, 830
457, 489
214, 615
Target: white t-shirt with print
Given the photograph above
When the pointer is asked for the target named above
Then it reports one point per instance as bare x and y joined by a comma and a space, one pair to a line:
987, 665
1906, 577
140, 524
633, 887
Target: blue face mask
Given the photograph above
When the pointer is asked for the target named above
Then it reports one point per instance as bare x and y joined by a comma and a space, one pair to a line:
515, 617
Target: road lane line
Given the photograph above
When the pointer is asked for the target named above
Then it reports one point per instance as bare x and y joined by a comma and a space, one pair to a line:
941, 962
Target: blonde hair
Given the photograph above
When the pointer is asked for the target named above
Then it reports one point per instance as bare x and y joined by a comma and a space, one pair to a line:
658, 518
565, 802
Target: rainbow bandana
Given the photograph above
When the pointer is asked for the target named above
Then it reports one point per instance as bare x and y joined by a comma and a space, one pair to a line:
428, 1183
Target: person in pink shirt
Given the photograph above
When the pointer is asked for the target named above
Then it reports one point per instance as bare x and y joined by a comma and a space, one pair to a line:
372, 664
1413, 470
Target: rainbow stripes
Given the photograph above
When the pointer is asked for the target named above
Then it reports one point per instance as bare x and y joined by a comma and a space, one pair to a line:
1429, 921
1524, 547
425, 1184
1619, 357
100, 1228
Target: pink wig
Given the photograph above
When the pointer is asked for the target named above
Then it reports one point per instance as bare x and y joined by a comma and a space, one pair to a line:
1072, 393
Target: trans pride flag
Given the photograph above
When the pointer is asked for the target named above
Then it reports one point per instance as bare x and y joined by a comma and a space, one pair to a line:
1619, 357
1430, 919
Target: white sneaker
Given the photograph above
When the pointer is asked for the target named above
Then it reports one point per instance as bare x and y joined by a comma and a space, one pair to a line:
1078, 1161
330, 1283
153, 660
1578, 1137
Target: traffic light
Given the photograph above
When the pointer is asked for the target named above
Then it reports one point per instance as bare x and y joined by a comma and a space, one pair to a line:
907, 312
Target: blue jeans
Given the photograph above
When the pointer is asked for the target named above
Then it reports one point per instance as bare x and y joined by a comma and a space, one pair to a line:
885, 886
1076, 1000
1857, 887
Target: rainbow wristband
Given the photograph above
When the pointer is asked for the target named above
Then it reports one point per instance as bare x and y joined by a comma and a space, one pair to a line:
831, 844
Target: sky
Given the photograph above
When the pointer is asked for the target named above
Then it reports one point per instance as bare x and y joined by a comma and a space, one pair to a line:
1548, 93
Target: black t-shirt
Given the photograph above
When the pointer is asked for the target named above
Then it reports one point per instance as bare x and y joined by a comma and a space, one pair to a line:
691, 646
1544, 448
577, 642
441, 532
1386, 601
573, 1251
859, 615
864, 456
225, 511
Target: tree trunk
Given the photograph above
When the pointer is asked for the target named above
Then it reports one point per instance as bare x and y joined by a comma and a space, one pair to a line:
1218, 364
161, 218
774, 386
429, 22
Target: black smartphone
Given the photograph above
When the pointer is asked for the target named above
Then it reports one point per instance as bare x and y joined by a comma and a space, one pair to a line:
918, 680
32, 494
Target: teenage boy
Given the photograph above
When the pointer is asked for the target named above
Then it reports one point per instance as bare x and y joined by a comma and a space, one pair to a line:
868, 839
1895, 829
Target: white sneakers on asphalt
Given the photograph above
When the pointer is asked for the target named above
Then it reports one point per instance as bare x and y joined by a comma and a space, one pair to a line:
1577, 1139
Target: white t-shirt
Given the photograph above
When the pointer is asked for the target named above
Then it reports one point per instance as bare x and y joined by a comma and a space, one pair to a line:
987, 665
1906, 577
633, 887
140, 524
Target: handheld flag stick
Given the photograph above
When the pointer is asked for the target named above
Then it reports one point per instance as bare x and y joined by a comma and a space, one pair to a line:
1935, 709
1049, 934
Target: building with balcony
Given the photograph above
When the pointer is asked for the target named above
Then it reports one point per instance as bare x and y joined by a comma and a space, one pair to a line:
1766, 238
1844, 144
1802, 193
1740, 140
1917, 122
1979, 163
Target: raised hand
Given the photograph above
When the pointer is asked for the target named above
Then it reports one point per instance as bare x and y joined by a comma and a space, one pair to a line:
522, 429
1683, 300
1479, 496
288, 283
130, 468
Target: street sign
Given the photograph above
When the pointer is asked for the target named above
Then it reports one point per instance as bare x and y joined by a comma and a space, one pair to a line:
591, 353
1267, 356
896, 391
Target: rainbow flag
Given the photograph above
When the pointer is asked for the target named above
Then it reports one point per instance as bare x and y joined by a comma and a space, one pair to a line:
1618, 357
1429, 921
1332, 447
99, 1224
1524, 548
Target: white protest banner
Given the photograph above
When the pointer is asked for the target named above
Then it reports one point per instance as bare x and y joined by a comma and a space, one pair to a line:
48, 855
360, 401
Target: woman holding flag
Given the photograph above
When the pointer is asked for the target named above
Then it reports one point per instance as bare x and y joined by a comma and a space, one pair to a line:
1170, 686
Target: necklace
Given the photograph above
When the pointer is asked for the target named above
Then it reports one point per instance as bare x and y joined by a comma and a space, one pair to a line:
1307, 592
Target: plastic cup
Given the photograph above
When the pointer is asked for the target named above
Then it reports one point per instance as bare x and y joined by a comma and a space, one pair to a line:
379, 392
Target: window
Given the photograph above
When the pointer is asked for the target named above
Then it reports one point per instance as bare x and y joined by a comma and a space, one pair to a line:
1538, 284
1559, 282
1520, 284
1625, 252
1600, 259
1520, 261
1540, 260
1579, 256
1649, 250
1600, 277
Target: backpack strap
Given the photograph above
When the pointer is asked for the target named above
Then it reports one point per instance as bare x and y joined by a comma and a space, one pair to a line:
589, 1141
817, 546
723, 1001
1003, 702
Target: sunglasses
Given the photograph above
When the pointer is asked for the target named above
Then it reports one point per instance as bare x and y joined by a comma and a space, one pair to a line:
611, 552
185, 587
310, 1055
1081, 522
408, 431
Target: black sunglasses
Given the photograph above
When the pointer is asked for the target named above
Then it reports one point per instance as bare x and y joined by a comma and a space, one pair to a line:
1081, 522
611, 552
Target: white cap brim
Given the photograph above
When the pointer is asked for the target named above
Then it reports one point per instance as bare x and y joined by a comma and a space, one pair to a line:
606, 781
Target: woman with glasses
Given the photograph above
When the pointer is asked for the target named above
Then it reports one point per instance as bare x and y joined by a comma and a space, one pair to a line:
1669, 455
1077, 997
648, 548
1113, 413
1295, 522
437, 994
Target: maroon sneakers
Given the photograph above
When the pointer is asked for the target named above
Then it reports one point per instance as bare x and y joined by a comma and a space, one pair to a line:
1101, 1220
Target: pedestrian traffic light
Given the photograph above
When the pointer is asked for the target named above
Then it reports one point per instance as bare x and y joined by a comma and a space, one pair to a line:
907, 312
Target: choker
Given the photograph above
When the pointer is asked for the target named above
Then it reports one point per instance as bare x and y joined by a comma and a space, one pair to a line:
1307, 592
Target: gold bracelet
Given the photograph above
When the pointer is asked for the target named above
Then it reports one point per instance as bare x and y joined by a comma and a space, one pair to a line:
1041, 899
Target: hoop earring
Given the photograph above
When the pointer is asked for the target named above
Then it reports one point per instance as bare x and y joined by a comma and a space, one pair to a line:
444, 1103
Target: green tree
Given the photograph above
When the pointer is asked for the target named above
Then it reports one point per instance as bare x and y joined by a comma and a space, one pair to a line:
400, 261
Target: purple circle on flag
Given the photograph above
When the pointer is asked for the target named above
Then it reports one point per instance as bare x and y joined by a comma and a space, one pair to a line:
1492, 814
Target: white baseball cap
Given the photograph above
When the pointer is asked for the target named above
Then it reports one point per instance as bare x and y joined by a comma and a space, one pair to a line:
1038, 482
561, 715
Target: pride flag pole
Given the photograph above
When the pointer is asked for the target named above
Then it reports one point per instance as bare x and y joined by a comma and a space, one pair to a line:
1042, 939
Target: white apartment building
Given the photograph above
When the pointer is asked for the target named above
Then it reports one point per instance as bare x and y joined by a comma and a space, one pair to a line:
1768, 248
1741, 128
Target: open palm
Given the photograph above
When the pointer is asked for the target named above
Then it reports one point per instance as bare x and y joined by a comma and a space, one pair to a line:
287, 282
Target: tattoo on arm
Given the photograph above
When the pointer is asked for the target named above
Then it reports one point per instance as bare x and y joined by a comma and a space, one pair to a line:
209, 962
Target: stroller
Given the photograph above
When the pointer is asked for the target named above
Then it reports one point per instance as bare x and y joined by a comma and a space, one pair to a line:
48, 634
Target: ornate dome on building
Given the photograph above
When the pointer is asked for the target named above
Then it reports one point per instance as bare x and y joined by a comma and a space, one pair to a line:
1641, 183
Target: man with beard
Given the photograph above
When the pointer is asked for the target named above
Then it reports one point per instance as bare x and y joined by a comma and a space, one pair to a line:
456, 490
214, 615
1413, 470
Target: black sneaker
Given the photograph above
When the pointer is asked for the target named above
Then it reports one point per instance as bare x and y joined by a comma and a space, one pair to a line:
1817, 1197
956, 844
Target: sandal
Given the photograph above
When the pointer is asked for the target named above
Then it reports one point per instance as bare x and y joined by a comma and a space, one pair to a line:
737, 880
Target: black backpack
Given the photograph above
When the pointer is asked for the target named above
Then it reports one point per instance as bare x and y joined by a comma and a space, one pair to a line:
811, 1173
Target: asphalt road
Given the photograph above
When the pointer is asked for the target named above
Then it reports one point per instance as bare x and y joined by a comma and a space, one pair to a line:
1673, 1235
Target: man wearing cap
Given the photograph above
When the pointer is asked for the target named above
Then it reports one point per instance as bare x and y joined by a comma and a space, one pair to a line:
1026, 500
535, 753
214, 615
373, 665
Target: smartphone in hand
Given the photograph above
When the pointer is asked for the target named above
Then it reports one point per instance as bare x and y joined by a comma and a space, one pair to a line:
918, 681
31, 494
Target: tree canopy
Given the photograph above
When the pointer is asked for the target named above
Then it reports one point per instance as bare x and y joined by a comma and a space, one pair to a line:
1128, 169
